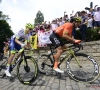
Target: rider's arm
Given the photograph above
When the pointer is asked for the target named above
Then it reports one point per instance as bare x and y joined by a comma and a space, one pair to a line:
28, 42
65, 35
28, 45
17, 36
17, 41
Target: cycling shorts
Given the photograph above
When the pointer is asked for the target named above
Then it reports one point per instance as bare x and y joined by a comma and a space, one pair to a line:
14, 46
56, 40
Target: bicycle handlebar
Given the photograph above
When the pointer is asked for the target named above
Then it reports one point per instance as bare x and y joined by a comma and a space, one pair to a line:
76, 47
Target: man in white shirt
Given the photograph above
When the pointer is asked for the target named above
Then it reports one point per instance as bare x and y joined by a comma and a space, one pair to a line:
54, 25
97, 17
90, 20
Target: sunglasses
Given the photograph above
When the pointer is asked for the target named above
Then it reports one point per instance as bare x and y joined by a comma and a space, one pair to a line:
30, 28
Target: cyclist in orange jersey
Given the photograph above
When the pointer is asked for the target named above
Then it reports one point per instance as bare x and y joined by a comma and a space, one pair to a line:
64, 31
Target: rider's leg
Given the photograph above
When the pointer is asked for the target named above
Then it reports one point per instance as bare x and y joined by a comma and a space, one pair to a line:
58, 43
56, 57
13, 46
12, 49
8, 64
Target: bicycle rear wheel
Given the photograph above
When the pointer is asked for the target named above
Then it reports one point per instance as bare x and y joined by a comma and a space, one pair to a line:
87, 72
2, 68
27, 70
45, 64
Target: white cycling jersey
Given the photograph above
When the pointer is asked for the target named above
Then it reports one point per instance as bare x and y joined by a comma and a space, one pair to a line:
21, 35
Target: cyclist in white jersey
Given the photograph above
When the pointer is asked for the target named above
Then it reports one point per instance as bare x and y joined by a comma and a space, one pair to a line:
16, 44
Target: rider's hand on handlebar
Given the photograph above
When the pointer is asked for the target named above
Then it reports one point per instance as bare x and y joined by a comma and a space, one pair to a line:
23, 45
77, 41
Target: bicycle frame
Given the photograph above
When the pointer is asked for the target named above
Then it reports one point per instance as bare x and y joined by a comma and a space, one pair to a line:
18, 60
2, 66
71, 52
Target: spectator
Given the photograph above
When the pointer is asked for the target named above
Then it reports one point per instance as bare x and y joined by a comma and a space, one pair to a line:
66, 19
83, 26
60, 21
97, 17
54, 25
42, 29
90, 20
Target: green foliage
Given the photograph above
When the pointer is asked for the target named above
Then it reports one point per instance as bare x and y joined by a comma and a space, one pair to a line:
39, 18
3, 17
5, 32
5, 29
91, 34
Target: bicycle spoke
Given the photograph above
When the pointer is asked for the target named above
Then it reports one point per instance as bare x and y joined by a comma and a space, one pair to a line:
86, 72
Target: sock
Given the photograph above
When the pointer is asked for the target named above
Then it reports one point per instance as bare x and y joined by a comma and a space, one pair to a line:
56, 64
8, 67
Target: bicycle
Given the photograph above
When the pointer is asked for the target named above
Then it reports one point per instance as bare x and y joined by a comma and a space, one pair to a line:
73, 64
1, 56
27, 68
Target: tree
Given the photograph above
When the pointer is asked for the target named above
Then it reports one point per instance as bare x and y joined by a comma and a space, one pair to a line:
5, 32
3, 17
39, 18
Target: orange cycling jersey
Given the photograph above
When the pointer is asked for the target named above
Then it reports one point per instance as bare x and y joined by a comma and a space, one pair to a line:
67, 27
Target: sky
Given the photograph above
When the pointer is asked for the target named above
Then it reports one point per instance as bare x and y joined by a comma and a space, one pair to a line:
24, 11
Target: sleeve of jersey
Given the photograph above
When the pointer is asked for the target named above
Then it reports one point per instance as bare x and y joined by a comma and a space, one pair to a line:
66, 31
20, 33
17, 36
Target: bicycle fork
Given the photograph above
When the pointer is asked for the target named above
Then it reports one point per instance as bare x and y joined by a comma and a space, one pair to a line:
72, 52
26, 67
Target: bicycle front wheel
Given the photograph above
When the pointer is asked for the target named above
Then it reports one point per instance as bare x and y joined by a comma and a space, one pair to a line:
86, 71
27, 70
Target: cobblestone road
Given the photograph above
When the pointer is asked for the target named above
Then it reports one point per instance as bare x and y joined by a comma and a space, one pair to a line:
51, 82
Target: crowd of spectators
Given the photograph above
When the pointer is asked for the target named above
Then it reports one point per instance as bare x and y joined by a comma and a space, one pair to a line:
90, 19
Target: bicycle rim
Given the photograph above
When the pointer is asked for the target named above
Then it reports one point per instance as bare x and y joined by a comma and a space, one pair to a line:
27, 74
89, 70
2, 68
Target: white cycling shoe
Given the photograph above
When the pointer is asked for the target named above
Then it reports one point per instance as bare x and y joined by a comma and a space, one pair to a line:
58, 70
7, 73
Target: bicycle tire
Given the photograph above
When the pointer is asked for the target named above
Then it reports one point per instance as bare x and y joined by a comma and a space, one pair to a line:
34, 74
2, 68
44, 64
72, 73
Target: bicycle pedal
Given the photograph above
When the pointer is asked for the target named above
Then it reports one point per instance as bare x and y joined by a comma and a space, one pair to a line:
11, 79
48, 73
58, 75
4, 75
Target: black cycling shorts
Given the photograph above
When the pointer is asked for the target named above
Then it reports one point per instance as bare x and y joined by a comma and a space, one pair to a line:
56, 40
